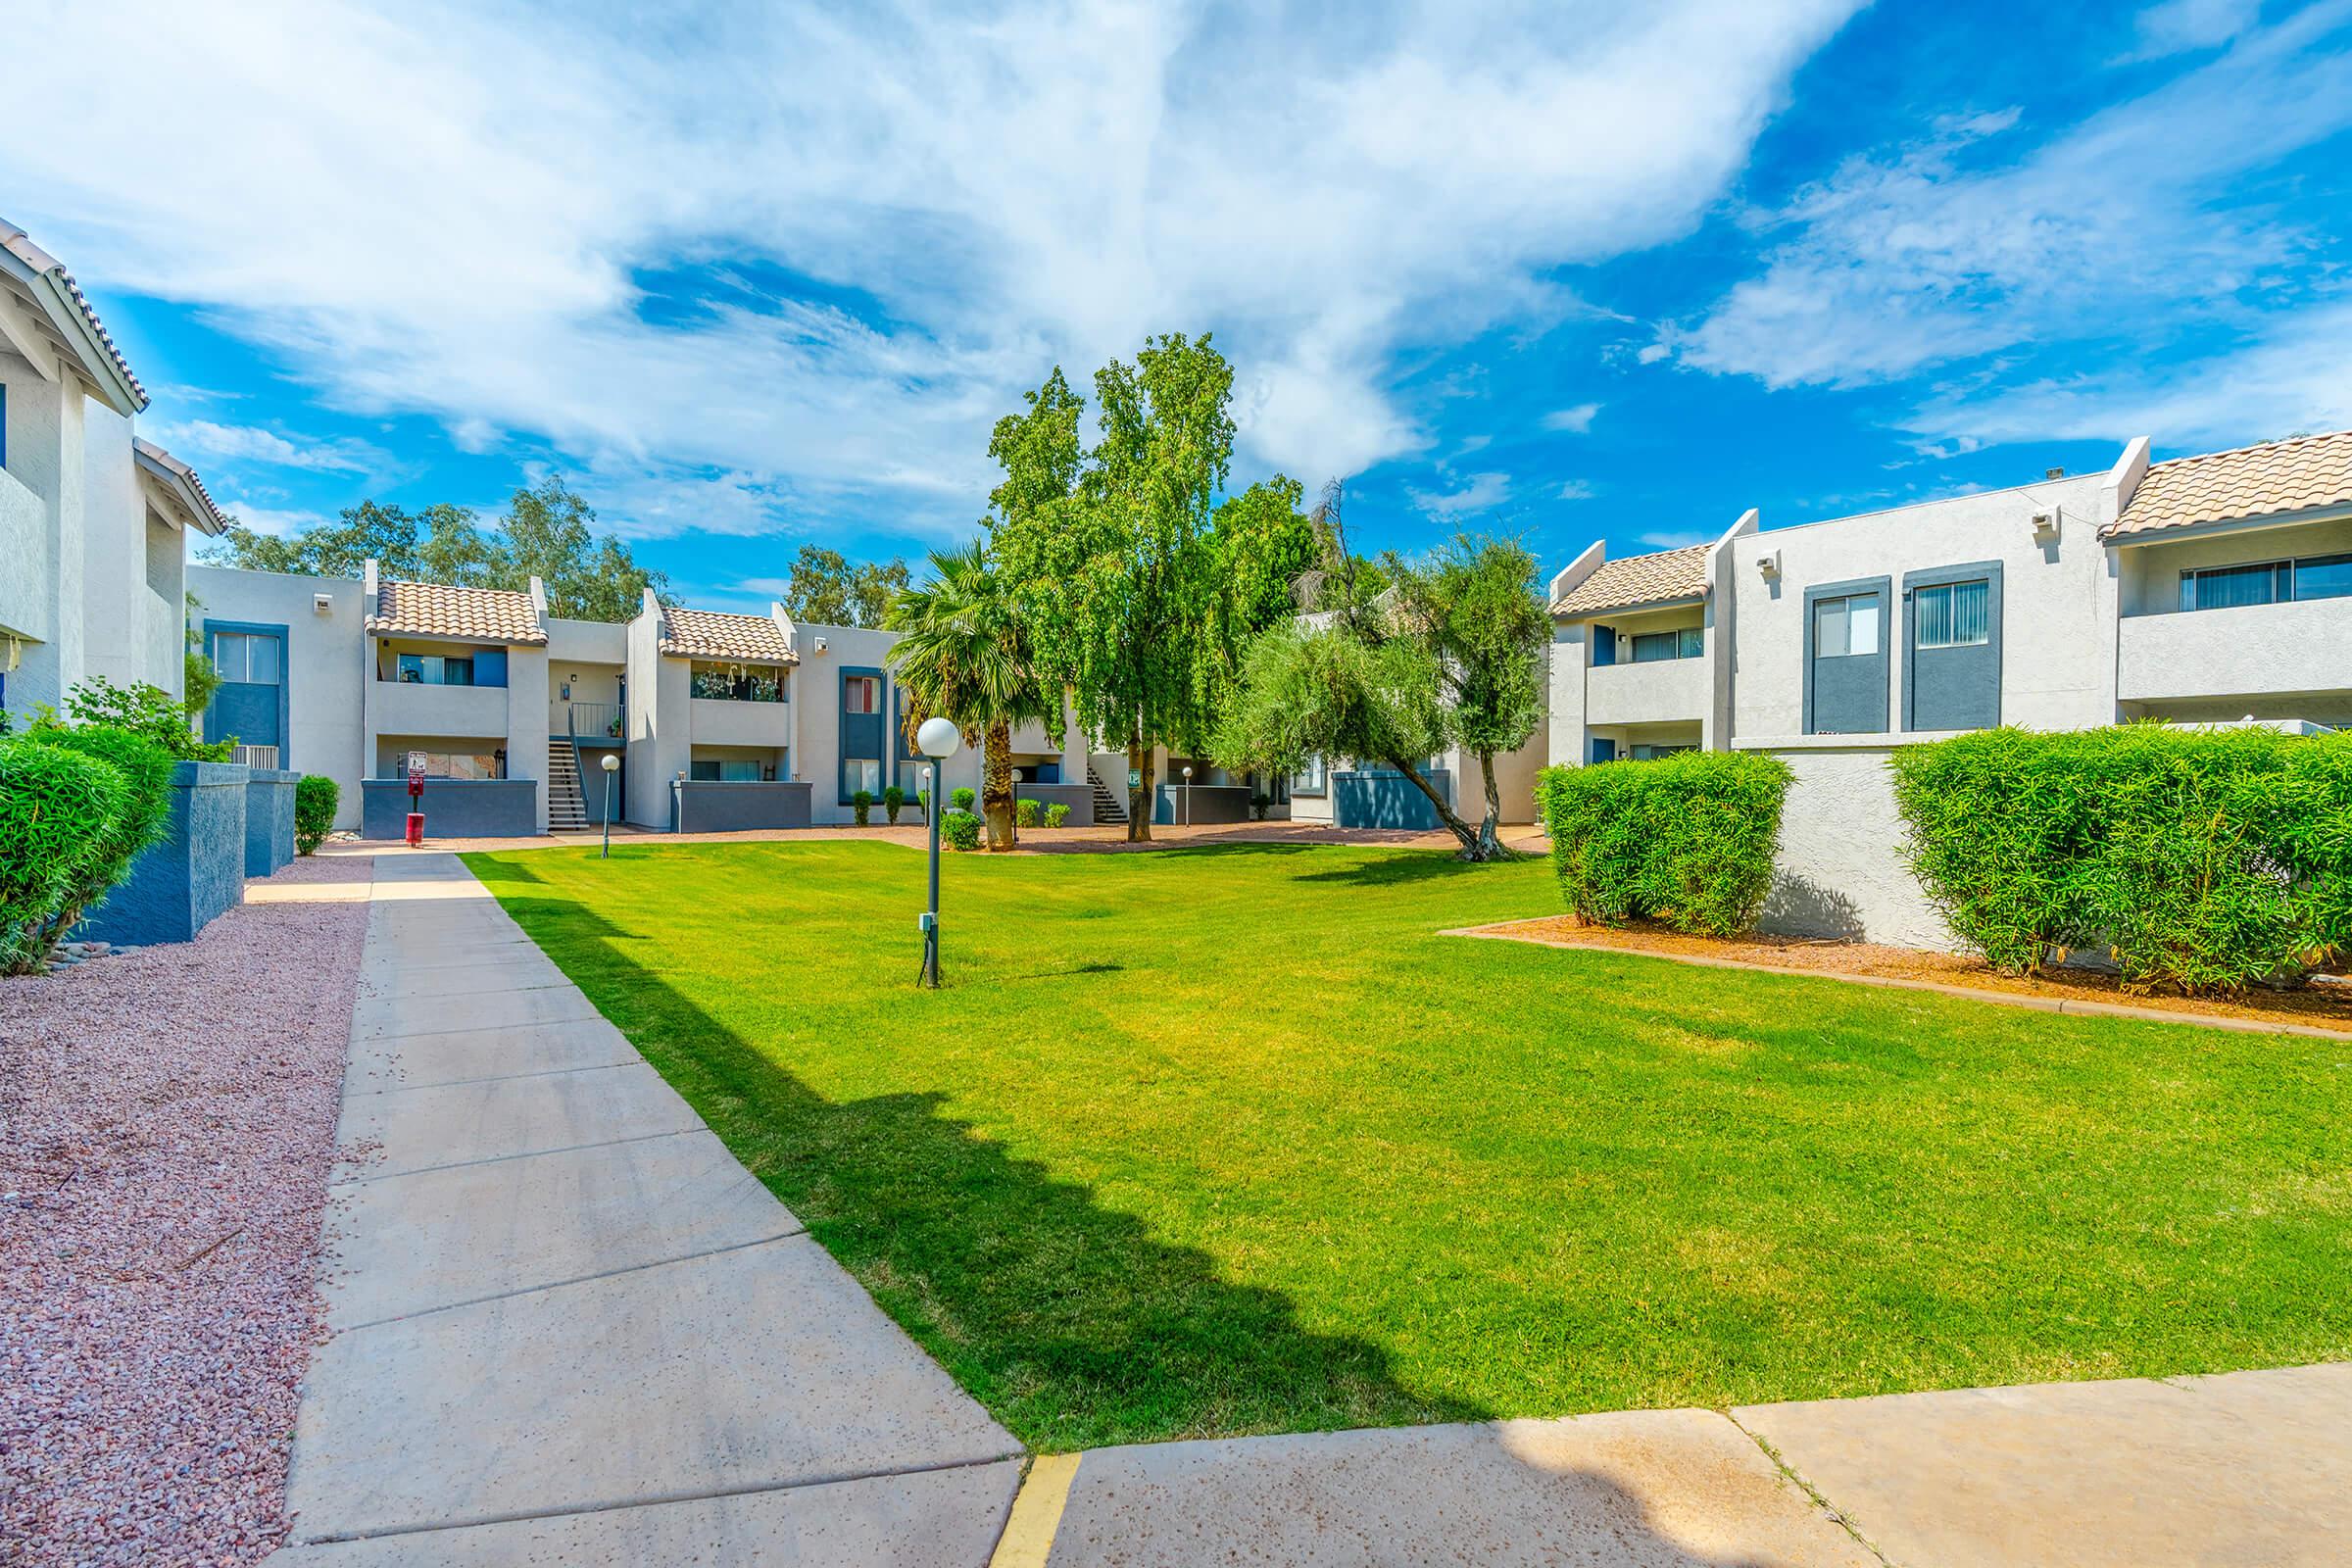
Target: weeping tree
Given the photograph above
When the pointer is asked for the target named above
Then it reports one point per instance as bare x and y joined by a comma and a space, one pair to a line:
1396, 664
962, 656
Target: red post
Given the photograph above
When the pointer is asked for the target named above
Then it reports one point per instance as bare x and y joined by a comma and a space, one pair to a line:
416, 799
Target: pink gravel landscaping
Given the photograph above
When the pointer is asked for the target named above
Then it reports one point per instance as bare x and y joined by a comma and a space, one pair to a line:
166, 1134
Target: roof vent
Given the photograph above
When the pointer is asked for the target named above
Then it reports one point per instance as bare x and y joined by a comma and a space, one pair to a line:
2053, 473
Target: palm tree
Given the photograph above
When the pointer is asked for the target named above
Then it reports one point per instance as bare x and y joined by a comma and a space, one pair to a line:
962, 654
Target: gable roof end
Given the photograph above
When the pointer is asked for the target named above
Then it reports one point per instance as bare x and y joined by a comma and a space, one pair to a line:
2307, 473
1662, 577
180, 482
71, 318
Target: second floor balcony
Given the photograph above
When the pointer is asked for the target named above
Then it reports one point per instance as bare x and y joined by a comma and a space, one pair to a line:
417, 707
1662, 691
2243, 651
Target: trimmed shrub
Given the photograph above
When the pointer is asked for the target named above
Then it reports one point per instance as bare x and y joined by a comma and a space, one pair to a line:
960, 829
961, 798
2199, 860
315, 798
58, 807
894, 800
1260, 804
1688, 839
862, 804
1025, 812
1058, 815
146, 772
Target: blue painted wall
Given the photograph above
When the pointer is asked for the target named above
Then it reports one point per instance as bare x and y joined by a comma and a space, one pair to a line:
708, 808
1210, 803
454, 808
1379, 797
269, 820
181, 885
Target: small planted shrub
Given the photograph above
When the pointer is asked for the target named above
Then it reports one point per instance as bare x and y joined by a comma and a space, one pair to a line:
1058, 815
58, 807
960, 829
1688, 839
1025, 812
894, 800
862, 804
1260, 804
316, 799
146, 774
2200, 860
961, 798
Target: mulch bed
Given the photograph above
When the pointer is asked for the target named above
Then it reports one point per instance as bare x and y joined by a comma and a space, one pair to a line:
166, 1134
2324, 1006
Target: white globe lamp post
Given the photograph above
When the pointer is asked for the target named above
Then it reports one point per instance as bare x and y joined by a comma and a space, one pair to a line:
612, 766
937, 739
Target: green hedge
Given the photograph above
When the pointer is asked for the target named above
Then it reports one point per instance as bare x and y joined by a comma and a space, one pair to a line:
2201, 860
962, 830
1687, 838
315, 798
146, 771
59, 808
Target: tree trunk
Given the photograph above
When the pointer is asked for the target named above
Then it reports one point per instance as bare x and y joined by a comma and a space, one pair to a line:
1477, 845
1139, 795
996, 786
1490, 841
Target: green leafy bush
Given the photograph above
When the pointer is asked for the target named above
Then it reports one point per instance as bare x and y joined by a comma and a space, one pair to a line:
2200, 859
1688, 839
315, 798
894, 800
862, 804
1025, 812
961, 798
146, 772
1058, 815
1259, 804
960, 829
58, 809
141, 708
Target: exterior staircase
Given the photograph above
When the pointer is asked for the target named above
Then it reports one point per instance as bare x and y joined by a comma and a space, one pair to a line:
566, 812
1109, 805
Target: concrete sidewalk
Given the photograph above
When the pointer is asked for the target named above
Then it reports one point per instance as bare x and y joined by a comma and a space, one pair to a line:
568, 1327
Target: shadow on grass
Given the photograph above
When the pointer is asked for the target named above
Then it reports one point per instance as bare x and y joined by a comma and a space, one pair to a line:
1067, 1319
1396, 869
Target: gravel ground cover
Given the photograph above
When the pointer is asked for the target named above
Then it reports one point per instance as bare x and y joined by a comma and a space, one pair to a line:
166, 1134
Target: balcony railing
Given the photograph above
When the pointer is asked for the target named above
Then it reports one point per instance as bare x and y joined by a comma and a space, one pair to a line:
588, 720
260, 756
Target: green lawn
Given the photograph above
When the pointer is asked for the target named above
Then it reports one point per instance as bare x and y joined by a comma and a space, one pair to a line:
1230, 1140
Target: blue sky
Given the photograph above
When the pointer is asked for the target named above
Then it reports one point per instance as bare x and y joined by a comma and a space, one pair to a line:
762, 275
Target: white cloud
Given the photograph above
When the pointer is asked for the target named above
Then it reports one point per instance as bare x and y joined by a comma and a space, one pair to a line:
2177, 25
1668, 538
1573, 422
193, 440
562, 224
277, 522
1652, 353
1484, 492
1574, 490
2126, 226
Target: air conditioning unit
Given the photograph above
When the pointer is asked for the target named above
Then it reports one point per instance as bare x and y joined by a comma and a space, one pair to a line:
2046, 527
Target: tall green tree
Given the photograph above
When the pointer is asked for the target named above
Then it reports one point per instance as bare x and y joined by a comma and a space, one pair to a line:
962, 655
403, 542
828, 589
1397, 663
550, 533
1111, 555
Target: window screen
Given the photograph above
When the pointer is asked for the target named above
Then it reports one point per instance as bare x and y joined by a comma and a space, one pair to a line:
1848, 626
1957, 614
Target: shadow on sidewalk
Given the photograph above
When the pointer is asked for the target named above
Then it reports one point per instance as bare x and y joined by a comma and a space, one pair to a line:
1067, 1319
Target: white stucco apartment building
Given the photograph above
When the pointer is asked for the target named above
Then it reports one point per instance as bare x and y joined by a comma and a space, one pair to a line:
94, 521
2203, 589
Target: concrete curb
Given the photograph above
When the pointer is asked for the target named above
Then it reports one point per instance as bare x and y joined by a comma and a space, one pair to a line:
2071, 1005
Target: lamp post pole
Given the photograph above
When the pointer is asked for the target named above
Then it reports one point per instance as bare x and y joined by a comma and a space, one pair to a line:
1188, 795
612, 766
937, 739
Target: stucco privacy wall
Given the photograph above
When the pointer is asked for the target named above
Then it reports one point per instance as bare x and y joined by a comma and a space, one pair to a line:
325, 665
2057, 666
193, 873
1839, 871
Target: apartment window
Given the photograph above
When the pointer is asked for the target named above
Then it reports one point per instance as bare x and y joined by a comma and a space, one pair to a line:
434, 669
247, 658
1651, 646
862, 773
861, 694
1952, 615
706, 770
1310, 778
2267, 582
1845, 628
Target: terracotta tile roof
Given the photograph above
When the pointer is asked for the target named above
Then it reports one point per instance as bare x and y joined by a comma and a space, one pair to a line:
15, 241
709, 634
2310, 470
209, 518
477, 614
1657, 579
